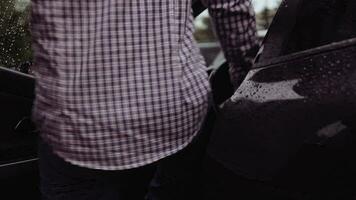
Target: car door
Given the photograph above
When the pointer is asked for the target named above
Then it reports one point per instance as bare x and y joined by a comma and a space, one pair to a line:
292, 121
18, 136
17, 133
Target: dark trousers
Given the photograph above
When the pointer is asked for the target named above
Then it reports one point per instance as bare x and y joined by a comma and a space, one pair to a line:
177, 177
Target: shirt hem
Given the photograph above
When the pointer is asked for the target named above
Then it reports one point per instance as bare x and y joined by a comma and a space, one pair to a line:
128, 166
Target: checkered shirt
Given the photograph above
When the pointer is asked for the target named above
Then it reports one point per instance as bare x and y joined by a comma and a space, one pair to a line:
236, 28
121, 83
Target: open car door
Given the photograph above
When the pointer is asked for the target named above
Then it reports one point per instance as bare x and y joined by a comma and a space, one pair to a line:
18, 160
292, 121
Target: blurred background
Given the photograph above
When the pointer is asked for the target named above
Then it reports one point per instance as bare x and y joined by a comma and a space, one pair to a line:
15, 49
205, 35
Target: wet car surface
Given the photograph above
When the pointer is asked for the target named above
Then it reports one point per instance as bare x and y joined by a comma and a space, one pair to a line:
285, 102
291, 123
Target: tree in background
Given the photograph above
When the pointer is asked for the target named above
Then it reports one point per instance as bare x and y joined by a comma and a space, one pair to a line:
15, 39
265, 16
205, 32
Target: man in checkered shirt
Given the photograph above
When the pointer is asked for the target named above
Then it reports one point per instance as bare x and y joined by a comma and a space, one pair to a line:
122, 92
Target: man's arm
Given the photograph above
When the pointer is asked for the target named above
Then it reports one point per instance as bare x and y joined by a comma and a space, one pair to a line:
235, 25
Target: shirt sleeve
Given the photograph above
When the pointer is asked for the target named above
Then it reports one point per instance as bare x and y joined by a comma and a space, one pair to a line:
235, 25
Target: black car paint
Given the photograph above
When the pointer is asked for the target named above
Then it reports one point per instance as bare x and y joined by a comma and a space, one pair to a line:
305, 143
18, 136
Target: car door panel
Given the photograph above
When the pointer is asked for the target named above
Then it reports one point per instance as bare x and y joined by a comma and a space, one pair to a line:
292, 121
18, 135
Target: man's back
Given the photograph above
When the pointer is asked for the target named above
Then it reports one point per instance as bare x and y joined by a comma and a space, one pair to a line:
120, 84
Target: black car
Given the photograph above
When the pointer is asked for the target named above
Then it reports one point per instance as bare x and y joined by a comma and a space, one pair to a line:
292, 122
294, 39
18, 160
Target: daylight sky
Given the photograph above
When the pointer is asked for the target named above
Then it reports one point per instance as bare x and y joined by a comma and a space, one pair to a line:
260, 4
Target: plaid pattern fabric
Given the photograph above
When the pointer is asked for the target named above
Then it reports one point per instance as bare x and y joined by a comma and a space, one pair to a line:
236, 25
120, 83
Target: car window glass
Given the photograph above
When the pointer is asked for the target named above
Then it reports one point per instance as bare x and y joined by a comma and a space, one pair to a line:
15, 40
320, 23
206, 37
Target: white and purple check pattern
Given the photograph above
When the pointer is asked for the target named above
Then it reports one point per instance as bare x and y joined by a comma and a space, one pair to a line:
120, 83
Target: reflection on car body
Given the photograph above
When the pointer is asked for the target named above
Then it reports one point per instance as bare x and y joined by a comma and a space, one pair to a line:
292, 121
